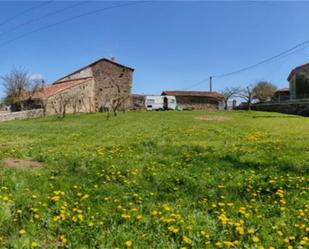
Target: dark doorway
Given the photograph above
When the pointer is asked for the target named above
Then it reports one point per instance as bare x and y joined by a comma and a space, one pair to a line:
165, 103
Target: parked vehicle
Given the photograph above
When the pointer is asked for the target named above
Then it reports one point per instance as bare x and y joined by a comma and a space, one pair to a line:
158, 102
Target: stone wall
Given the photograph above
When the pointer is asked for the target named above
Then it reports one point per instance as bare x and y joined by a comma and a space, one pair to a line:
21, 115
138, 102
109, 79
79, 99
198, 103
294, 82
83, 73
289, 107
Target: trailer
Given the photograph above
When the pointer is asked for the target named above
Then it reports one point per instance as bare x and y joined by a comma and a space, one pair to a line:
158, 102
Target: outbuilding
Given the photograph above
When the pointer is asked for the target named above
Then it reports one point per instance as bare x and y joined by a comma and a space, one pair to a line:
197, 100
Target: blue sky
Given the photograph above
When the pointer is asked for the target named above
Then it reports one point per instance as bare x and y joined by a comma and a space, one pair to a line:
172, 45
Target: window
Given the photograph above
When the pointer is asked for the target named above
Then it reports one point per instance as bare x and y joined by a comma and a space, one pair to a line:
150, 101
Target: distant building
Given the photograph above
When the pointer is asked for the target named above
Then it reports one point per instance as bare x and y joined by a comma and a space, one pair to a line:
88, 89
299, 82
197, 100
281, 94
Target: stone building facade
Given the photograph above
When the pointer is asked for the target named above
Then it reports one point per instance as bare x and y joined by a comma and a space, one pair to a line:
138, 102
299, 82
197, 100
89, 89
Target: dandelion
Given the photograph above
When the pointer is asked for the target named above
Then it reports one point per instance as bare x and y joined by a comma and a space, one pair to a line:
63, 239
186, 239
255, 239
22, 232
128, 243
34, 244
240, 230
126, 216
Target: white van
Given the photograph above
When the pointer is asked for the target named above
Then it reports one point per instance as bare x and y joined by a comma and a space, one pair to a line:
158, 102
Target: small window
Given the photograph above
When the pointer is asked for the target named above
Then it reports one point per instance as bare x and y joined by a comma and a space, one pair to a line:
150, 100
101, 90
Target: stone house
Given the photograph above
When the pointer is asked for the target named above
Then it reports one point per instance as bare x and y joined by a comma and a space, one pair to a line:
89, 89
197, 100
299, 82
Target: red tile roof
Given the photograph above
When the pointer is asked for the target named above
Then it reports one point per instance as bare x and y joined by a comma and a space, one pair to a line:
51, 90
214, 95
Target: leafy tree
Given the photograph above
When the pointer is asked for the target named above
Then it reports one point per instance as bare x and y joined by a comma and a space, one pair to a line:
263, 91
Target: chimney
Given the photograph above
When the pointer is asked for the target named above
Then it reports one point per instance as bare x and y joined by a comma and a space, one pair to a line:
113, 59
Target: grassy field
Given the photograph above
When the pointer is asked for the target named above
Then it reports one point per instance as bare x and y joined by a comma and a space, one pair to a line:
156, 180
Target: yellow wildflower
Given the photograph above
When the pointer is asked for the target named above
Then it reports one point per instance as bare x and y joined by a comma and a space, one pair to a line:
255, 239
34, 244
128, 243
186, 239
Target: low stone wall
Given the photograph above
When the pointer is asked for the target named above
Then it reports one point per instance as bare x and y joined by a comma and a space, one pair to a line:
21, 115
289, 107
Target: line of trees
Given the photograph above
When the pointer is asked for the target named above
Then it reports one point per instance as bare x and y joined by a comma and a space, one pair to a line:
19, 85
261, 91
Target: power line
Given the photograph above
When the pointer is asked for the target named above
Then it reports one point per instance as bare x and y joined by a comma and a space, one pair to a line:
70, 19
42, 17
26, 11
288, 51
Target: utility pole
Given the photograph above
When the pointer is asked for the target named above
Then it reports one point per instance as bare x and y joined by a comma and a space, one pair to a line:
210, 84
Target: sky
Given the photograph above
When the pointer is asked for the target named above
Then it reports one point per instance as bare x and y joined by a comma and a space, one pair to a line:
173, 45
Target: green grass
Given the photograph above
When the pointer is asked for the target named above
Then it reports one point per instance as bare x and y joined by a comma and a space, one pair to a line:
156, 180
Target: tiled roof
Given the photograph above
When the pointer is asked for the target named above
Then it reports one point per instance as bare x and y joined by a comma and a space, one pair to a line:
51, 90
214, 95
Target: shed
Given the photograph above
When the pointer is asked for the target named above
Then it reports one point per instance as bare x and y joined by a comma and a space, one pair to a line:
197, 100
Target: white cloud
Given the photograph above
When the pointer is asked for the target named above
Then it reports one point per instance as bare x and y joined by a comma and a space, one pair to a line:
36, 77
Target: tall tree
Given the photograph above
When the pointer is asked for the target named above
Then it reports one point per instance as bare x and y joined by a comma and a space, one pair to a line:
247, 94
263, 91
15, 84
19, 87
229, 93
